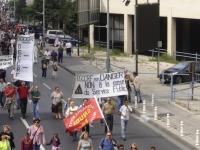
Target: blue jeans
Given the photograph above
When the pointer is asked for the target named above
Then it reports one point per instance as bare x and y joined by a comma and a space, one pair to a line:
35, 111
123, 127
36, 147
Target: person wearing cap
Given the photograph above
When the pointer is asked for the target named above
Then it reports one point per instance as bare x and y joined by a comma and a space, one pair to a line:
10, 94
36, 132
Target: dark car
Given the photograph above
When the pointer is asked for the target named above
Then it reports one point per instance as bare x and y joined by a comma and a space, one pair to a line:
180, 72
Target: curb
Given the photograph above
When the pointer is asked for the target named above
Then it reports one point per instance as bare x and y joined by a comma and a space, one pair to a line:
67, 69
166, 132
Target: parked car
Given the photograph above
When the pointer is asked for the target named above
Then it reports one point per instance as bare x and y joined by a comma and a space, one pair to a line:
181, 72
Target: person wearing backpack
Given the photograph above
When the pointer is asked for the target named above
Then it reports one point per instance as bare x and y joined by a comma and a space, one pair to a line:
108, 143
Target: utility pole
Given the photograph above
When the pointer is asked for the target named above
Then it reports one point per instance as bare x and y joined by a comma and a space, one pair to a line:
108, 39
43, 22
135, 38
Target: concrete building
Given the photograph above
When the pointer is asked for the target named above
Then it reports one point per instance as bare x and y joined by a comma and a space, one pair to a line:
179, 24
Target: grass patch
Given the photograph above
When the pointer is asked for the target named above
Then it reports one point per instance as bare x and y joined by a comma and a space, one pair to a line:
165, 58
118, 52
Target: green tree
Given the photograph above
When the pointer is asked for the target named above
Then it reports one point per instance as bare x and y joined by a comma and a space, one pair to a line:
20, 7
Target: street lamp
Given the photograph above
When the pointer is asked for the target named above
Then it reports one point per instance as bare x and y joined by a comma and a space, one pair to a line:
108, 40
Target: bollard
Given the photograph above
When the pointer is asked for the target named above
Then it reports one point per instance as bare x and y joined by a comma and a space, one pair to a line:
197, 138
168, 121
155, 113
144, 107
136, 104
181, 128
152, 100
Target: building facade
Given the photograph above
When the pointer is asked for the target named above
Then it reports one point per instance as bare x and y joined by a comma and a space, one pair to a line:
179, 24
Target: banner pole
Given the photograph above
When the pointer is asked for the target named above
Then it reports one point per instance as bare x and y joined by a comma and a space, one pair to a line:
102, 114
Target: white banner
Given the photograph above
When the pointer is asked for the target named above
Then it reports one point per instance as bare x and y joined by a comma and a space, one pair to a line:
6, 61
24, 59
99, 85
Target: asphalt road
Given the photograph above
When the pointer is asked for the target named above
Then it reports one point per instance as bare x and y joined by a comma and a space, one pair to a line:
138, 132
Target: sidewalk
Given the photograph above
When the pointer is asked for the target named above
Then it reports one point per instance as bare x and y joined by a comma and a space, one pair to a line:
177, 113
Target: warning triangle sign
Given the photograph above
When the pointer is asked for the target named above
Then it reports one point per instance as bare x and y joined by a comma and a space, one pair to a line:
78, 90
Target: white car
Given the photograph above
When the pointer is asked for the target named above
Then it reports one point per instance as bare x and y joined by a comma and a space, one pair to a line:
53, 34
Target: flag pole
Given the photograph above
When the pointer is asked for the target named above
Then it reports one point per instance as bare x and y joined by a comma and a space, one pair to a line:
102, 114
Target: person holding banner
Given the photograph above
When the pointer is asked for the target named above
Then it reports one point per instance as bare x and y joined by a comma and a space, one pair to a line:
109, 110
70, 111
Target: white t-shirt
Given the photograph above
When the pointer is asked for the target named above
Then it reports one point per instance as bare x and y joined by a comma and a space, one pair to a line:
47, 54
71, 110
68, 45
125, 112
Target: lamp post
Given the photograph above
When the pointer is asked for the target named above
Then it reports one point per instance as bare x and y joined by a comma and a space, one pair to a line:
43, 13
108, 39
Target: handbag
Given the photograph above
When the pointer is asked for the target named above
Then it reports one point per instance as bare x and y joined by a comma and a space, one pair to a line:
31, 141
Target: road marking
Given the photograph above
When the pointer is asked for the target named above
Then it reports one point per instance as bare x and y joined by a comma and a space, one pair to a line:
48, 87
27, 126
34, 75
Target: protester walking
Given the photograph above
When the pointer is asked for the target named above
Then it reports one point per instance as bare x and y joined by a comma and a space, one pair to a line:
125, 113
133, 147
9, 135
47, 55
57, 97
36, 132
35, 97
55, 142
137, 85
54, 56
127, 81
55, 69
108, 110
60, 54
23, 96
10, 96
87, 126
26, 142
44, 67
108, 143
71, 110
4, 143
69, 49
2, 86
85, 143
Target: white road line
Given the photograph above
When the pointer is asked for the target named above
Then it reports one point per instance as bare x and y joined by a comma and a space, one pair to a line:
34, 75
27, 126
48, 87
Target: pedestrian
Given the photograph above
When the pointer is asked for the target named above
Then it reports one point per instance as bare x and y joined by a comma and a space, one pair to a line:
44, 67
87, 126
55, 142
23, 92
10, 96
108, 110
137, 85
69, 48
60, 54
108, 143
35, 97
133, 147
85, 143
127, 81
125, 113
57, 97
120, 147
2, 86
47, 55
36, 132
152, 148
54, 55
26, 142
55, 69
9, 135
4, 143
71, 110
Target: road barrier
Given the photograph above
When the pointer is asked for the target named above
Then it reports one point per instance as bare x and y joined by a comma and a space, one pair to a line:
168, 120
181, 128
144, 107
155, 113
197, 138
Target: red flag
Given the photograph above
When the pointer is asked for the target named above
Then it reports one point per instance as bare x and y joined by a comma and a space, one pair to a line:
88, 113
